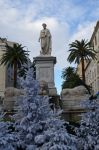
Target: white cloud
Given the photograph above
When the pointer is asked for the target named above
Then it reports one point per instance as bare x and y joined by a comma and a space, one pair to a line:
27, 32
84, 31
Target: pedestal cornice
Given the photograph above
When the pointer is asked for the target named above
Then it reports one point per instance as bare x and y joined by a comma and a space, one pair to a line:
45, 58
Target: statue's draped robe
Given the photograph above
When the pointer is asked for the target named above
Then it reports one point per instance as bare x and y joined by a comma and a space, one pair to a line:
46, 44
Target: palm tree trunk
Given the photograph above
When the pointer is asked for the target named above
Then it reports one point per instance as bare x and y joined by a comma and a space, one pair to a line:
15, 73
83, 69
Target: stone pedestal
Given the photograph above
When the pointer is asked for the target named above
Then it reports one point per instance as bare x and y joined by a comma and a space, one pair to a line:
45, 71
71, 103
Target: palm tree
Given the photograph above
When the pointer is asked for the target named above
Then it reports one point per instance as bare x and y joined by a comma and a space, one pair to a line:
14, 56
79, 52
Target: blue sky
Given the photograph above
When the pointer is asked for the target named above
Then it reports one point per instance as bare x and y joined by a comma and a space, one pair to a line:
68, 20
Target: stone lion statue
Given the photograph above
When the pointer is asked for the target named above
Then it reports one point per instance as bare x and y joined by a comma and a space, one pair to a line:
43, 88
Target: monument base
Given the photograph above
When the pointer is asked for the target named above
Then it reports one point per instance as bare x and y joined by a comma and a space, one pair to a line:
45, 71
52, 91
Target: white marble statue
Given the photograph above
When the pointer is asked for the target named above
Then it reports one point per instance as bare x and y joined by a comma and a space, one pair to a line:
45, 40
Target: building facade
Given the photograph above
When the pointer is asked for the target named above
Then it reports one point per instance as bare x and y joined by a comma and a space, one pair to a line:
6, 73
92, 68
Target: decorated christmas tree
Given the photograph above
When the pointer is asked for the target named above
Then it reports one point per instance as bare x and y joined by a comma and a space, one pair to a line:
88, 133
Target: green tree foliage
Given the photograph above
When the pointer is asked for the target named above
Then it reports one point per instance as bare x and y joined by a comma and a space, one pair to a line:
72, 79
15, 57
79, 52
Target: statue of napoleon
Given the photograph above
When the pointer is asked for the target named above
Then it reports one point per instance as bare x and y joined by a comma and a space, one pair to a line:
45, 40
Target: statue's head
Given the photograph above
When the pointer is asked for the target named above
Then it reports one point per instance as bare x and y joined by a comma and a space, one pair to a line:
44, 25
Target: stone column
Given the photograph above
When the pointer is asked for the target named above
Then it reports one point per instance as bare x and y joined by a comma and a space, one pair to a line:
45, 71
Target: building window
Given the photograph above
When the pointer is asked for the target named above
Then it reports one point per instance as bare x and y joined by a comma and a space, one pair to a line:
93, 45
92, 75
98, 69
95, 40
98, 37
98, 85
